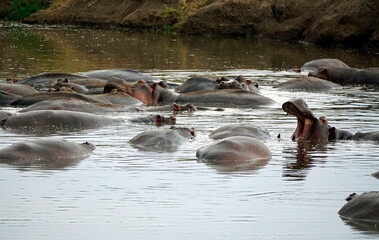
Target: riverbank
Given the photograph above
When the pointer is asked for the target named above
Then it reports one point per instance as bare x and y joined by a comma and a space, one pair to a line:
347, 22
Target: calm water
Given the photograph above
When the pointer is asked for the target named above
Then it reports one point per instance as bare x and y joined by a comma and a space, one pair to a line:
123, 193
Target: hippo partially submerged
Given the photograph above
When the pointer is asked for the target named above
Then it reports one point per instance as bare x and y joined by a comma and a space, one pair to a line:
235, 151
247, 130
53, 121
363, 207
162, 140
308, 126
48, 152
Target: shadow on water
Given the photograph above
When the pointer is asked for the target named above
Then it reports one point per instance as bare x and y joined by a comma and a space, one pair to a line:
301, 158
363, 226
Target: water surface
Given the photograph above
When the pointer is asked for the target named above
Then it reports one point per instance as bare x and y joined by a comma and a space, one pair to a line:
121, 192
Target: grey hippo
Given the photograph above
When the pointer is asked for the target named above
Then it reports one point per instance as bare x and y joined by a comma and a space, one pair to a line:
48, 152
162, 140
240, 129
362, 207
348, 75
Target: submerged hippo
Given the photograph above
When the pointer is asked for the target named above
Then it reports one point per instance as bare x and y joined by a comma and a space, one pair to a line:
239, 83
162, 140
44, 78
309, 84
4, 114
125, 74
225, 98
339, 134
243, 129
158, 120
348, 75
234, 151
363, 207
17, 89
6, 98
366, 136
70, 85
323, 62
70, 105
194, 84
150, 94
52, 121
308, 126
49, 152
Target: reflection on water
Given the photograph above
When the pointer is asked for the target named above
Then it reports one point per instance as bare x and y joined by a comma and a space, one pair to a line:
128, 193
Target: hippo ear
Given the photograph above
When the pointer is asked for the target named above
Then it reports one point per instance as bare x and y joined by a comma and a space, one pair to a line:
2, 122
218, 81
192, 131
153, 86
65, 80
256, 85
332, 130
351, 196
176, 107
248, 82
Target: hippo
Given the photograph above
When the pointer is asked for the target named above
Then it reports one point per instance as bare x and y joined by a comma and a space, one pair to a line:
118, 99
17, 89
323, 62
366, 136
310, 84
225, 98
44, 78
363, 207
150, 94
234, 151
71, 105
38, 97
194, 84
4, 114
45, 122
115, 84
90, 83
339, 134
162, 140
74, 86
308, 126
46, 152
239, 83
375, 174
158, 120
242, 129
348, 75
175, 108
6, 98
128, 75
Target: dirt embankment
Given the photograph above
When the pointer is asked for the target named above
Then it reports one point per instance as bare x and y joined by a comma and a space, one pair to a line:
323, 21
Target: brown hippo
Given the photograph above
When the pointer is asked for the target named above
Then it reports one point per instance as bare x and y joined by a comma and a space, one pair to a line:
366, 136
348, 75
158, 120
48, 152
323, 62
235, 150
363, 207
162, 140
225, 98
308, 126
52, 121
310, 84
150, 94
242, 129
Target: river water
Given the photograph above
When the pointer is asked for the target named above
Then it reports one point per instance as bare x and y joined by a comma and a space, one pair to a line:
123, 193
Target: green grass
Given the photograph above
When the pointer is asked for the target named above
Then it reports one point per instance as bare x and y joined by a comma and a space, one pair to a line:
19, 9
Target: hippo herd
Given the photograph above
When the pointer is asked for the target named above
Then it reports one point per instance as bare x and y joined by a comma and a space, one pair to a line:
54, 103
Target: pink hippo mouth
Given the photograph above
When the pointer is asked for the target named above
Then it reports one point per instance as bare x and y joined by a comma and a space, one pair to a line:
305, 118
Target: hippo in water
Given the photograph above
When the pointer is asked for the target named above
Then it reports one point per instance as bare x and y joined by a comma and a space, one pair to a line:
150, 94
366, 136
53, 121
158, 120
194, 84
309, 84
128, 75
323, 62
162, 140
348, 75
241, 129
363, 207
235, 150
48, 152
308, 126
17, 89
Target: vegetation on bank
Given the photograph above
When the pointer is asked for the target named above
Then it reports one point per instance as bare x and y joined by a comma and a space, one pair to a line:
18, 9
175, 16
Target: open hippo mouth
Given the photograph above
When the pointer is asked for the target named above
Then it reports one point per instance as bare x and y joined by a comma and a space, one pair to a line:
305, 118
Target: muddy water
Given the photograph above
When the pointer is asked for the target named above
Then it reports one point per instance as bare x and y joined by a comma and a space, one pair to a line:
120, 192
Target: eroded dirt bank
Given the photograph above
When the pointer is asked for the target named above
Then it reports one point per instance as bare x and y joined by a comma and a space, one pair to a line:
325, 21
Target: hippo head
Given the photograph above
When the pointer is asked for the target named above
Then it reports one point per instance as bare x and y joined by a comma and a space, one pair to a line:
142, 91
322, 73
308, 126
89, 146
